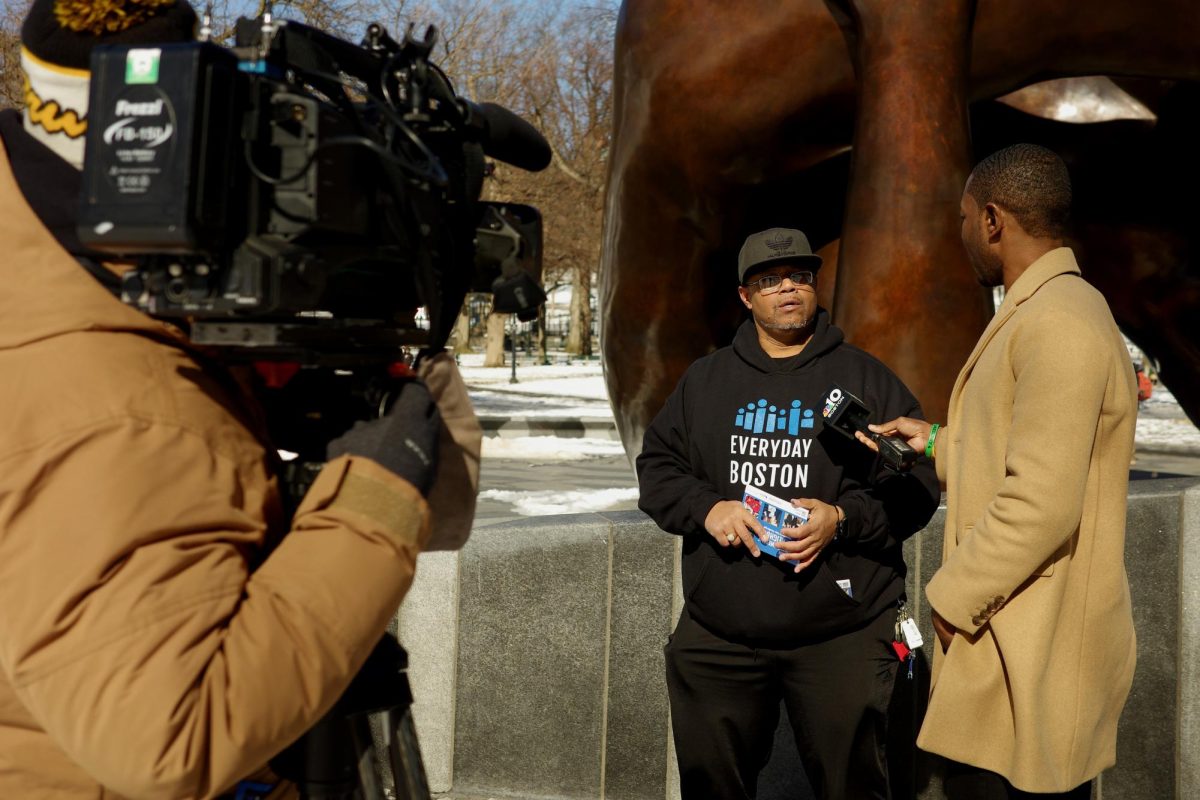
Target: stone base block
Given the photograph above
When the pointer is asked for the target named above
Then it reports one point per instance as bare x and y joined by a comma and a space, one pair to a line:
538, 671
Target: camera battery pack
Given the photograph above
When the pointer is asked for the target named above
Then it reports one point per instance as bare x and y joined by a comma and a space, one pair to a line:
154, 178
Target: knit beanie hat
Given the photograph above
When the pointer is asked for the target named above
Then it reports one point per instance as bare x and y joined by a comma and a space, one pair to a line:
56, 46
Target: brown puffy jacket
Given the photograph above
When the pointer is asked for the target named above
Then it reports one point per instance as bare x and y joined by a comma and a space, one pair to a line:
158, 636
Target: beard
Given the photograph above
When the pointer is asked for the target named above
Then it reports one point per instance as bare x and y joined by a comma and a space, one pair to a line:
989, 269
795, 324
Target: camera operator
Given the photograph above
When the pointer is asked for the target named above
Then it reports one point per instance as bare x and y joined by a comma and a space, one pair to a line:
163, 633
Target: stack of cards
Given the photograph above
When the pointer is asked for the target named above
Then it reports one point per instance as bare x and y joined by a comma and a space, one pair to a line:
774, 514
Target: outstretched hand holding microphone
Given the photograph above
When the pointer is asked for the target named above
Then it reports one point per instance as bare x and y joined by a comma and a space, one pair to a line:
922, 437
913, 432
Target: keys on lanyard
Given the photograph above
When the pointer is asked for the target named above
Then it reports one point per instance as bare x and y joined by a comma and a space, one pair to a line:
907, 637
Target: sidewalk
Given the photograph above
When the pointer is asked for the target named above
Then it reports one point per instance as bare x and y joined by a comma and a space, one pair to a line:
554, 390
550, 442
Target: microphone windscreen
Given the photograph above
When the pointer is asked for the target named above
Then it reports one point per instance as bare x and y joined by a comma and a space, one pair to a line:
513, 140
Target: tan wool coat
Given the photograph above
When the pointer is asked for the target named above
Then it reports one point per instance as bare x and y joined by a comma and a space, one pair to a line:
162, 630
1035, 456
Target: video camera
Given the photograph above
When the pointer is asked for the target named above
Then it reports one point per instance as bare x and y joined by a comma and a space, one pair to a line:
298, 198
292, 202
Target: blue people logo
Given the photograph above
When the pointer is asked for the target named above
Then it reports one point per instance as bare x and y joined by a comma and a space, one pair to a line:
759, 417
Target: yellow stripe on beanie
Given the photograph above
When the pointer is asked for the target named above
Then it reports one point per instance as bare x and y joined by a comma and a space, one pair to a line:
50, 116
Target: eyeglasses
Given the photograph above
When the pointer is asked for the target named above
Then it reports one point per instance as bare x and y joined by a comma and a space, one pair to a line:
768, 284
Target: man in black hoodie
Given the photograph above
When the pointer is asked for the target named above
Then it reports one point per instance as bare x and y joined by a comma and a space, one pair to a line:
814, 627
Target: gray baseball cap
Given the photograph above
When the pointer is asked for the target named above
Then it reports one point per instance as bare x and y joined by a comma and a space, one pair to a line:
776, 245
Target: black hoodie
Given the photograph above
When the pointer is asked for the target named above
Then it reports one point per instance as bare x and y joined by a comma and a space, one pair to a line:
702, 448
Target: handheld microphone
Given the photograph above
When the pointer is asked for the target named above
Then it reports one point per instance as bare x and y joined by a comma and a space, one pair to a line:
847, 415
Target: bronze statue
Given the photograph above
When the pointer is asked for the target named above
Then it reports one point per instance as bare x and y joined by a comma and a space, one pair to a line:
858, 120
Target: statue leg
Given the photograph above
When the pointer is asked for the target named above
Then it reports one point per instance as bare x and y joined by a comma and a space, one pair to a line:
905, 291
656, 299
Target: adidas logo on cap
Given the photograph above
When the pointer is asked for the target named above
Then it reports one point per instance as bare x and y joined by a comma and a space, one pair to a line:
776, 245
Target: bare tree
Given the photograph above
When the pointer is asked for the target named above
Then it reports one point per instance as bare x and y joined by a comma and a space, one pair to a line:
567, 86
12, 79
497, 325
550, 62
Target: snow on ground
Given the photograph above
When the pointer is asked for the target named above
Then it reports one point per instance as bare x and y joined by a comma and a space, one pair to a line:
1163, 425
573, 390
549, 448
510, 404
555, 501
1176, 434
577, 390
579, 379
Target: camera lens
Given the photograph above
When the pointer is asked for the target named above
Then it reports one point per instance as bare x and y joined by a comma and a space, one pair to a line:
176, 290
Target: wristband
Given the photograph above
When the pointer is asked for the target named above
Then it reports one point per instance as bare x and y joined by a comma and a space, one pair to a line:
929, 445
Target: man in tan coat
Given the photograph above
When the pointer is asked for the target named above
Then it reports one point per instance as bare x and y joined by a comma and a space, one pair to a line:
164, 629
1031, 603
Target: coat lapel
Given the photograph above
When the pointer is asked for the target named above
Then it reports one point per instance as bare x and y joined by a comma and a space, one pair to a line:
1054, 263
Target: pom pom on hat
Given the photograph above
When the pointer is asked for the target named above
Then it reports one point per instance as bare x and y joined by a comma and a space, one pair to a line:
63, 32
106, 16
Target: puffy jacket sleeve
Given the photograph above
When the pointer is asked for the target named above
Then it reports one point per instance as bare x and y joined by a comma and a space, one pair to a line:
138, 636
671, 491
884, 507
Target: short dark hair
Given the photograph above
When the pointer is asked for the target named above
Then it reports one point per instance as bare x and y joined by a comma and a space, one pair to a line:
1028, 181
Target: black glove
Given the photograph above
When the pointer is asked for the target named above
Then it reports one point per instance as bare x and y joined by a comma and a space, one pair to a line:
403, 441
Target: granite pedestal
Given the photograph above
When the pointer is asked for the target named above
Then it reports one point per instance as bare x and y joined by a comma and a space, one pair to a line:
537, 665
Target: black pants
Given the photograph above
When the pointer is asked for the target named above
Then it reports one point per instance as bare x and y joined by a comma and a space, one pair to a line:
964, 782
725, 707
